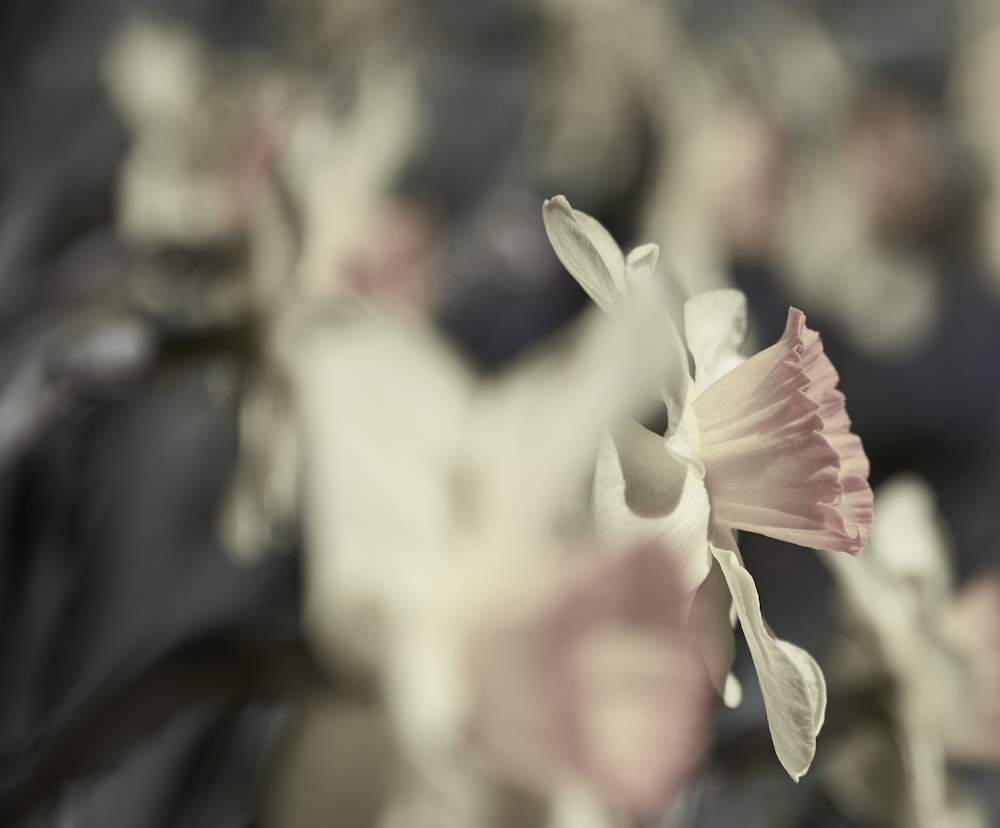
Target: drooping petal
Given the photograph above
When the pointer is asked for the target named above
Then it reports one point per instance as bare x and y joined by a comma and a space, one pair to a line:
642, 492
773, 464
791, 681
716, 641
715, 326
586, 250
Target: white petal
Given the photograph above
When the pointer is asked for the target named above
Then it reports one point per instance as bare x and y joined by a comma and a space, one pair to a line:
535, 431
710, 621
676, 385
715, 326
641, 263
642, 492
732, 694
586, 250
910, 543
790, 679
379, 408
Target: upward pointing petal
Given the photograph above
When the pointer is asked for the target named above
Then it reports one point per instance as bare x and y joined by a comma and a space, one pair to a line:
586, 250
792, 683
641, 262
715, 326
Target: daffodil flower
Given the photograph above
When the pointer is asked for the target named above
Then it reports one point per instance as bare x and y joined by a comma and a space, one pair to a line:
762, 445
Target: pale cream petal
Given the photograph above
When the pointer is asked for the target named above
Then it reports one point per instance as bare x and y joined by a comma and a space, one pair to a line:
715, 327
587, 251
643, 492
716, 641
534, 432
790, 679
640, 263
676, 389
910, 543
379, 408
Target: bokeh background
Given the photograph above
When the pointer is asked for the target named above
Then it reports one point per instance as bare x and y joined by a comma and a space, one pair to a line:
840, 156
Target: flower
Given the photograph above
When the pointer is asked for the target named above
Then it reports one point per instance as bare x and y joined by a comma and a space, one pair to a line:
938, 649
762, 444
443, 523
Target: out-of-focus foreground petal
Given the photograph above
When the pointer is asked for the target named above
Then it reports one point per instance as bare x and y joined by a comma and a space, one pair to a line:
599, 681
532, 435
379, 405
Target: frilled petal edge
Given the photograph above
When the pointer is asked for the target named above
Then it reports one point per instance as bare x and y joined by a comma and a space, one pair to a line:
779, 456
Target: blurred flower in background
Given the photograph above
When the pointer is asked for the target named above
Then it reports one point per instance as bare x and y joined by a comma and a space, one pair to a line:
935, 650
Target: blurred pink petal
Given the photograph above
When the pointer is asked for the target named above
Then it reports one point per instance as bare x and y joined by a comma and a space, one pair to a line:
601, 682
975, 624
779, 456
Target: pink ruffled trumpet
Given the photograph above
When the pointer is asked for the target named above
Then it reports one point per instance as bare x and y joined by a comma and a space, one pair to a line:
779, 456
